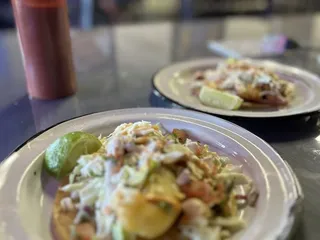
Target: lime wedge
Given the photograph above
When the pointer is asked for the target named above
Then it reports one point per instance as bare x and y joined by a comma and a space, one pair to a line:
215, 98
62, 155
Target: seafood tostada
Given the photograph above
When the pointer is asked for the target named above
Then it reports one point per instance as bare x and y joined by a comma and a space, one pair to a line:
143, 182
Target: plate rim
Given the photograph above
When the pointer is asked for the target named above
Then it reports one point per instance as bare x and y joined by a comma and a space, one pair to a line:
294, 210
232, 114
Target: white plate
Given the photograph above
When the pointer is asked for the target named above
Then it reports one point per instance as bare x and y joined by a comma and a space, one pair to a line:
27, 192
173, 82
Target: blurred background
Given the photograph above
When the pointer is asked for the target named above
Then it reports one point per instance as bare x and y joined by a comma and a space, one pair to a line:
88, 13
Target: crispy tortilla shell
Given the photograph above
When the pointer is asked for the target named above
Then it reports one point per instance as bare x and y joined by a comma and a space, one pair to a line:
62, 220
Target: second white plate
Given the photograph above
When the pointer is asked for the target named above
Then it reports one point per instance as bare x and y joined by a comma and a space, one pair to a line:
173, 82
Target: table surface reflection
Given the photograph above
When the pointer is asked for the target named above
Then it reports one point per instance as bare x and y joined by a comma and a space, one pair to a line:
114, 70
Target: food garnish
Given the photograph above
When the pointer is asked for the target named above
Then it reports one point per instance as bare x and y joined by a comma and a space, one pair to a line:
62, 155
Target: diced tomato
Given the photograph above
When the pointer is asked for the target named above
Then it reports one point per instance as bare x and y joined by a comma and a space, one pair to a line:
204, 191
108, 210
180, 134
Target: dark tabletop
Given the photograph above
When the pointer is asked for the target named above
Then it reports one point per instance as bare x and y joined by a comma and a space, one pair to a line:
114, 70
